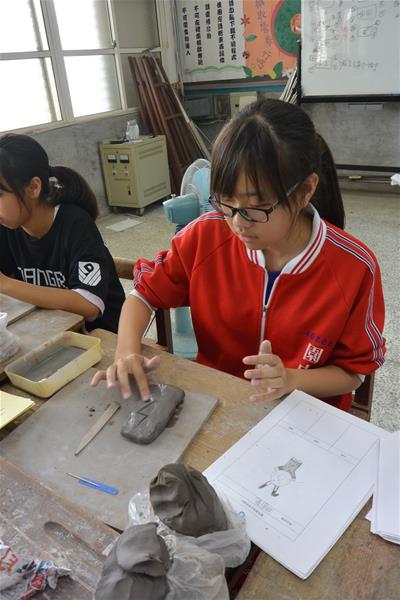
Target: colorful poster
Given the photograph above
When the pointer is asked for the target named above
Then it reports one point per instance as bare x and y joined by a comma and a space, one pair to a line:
236, 39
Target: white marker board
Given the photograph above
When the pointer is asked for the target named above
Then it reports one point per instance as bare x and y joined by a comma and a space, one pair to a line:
350, 48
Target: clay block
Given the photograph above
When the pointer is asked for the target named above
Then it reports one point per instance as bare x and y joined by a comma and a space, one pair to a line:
183, 499
148, 419
136, 567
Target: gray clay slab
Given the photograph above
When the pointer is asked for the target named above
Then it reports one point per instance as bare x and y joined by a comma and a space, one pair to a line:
45, 365
14, 308
45, 443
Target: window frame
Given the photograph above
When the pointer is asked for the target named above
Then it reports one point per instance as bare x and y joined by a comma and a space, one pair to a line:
56, 54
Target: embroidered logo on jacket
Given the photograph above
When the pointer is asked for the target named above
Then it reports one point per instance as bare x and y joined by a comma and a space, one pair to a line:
89, 273
319, 339
313, 353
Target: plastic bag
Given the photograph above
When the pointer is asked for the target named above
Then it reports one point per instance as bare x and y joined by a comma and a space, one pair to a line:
196, 573
132, 130
198, 564
9, 343
395, 179
22, 577
232, 544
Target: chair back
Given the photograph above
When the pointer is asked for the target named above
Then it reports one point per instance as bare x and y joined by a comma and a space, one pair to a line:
124, 268
362, 398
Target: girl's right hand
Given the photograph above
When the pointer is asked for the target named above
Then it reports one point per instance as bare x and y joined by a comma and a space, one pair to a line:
118, 373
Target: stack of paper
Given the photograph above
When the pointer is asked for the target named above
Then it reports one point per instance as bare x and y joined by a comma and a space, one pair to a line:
12, 406
300, 476
385, 513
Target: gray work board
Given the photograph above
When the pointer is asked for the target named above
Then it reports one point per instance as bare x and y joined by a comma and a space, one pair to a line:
14, 308
45, 443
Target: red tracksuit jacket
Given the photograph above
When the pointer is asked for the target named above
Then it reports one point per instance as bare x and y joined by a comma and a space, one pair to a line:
325, 308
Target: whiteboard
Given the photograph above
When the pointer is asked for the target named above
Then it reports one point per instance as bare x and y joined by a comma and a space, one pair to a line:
350, 47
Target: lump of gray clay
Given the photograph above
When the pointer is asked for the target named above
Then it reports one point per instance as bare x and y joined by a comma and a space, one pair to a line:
149, 418
183, 499
136, 567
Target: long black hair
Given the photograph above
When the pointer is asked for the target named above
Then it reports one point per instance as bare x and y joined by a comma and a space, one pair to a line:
275, 144
22, 158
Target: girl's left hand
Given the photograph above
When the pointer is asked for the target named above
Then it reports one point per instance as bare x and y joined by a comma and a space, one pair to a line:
270, 377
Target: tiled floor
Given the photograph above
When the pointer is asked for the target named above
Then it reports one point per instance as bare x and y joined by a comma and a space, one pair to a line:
373, 218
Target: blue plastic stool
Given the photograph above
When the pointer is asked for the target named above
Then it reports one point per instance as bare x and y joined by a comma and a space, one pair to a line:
183, 338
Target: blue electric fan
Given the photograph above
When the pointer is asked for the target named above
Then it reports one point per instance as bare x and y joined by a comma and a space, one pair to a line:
181, 210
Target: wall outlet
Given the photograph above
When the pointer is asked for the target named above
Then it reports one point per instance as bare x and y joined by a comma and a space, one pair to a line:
240, 100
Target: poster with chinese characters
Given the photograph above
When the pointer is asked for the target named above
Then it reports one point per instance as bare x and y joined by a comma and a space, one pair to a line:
236, 39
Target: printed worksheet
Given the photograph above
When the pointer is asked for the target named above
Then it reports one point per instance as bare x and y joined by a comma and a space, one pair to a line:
300, 476
387, 498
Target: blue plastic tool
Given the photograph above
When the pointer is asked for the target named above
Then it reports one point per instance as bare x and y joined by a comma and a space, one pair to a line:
108, 489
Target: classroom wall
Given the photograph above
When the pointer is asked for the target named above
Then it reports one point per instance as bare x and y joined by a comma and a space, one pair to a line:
359, 133
77, 146
358, 136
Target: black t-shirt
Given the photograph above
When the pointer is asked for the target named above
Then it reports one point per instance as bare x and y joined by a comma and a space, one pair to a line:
71, 255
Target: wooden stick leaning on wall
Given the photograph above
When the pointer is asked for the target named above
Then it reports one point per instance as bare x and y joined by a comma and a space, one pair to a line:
191, 125
163, 111
151, 116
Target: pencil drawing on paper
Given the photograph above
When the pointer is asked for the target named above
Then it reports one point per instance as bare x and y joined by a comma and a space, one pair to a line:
282, 476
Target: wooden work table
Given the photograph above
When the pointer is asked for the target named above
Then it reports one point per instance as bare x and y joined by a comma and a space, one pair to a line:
39, 326
361, 566
233, 420
39, 524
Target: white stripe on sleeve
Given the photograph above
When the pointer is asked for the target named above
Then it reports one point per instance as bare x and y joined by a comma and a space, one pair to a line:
93, 299
137, 295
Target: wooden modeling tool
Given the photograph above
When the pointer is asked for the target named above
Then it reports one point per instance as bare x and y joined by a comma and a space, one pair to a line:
97, 426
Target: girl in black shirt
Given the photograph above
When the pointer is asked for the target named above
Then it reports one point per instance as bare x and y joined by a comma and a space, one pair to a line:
48, 237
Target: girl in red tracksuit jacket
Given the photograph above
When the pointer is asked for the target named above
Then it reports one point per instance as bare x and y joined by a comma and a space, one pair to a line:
278, 294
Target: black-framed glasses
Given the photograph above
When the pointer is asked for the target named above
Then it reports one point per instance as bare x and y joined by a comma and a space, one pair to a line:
254, 215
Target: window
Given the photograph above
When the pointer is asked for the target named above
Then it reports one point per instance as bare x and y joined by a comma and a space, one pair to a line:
63, 59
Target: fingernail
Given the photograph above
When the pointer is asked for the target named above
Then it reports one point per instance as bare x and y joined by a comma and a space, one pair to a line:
252, 398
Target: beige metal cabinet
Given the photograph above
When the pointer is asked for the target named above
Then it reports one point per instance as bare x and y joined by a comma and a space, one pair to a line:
136, 173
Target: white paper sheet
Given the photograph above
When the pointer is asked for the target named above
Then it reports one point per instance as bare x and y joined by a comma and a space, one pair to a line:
387, 510
300, 476
122, 225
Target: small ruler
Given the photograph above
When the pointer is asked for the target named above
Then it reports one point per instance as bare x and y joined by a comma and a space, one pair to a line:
97, 426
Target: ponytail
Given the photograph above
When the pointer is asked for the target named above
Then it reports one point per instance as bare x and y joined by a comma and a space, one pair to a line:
276, 145
327, 198
71, 188
22, 158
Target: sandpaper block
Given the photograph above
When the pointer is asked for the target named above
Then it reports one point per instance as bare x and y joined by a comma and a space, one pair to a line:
149, 418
